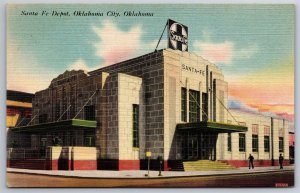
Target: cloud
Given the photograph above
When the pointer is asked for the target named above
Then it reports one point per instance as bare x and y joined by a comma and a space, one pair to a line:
80, 64
116, 45
222, 52
281, 111
265, 85
26, 74
215, 52
234, 103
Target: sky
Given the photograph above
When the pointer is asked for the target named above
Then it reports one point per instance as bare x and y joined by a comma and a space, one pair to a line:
252, 44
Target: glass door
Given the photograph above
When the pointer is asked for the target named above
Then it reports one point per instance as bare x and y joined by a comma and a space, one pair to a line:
193, 148
207, 146
190, 146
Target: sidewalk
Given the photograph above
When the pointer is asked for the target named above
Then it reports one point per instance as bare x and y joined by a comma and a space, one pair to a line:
141, 173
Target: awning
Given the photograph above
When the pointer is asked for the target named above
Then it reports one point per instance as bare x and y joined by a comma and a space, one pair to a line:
59, 125
209, 126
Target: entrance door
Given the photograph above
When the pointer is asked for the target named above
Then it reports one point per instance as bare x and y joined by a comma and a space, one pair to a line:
199, 146
207, 146
190, 147
193, 148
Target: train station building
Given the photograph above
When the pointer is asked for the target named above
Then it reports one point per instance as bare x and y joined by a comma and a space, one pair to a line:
169, 102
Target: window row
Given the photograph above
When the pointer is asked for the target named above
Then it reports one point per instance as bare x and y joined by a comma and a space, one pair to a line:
255, 128
255, 144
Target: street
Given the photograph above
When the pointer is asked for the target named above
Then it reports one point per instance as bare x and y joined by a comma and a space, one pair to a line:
270, 179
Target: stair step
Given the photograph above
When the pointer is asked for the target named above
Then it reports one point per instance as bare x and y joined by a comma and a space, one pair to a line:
205, 165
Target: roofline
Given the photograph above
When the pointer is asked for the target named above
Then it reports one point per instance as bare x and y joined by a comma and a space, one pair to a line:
94, 71
257, 114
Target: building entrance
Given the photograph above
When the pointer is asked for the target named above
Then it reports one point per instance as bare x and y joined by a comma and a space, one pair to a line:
199, 146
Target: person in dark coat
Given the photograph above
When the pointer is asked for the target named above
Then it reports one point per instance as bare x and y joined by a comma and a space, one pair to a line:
251, 159
281, 161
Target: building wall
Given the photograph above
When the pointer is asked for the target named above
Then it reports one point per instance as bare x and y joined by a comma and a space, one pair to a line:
249, 119
183, 69
18, 113
130, 92
109, 144
18, 108
172, 109
149, 67
153, 81
59, 93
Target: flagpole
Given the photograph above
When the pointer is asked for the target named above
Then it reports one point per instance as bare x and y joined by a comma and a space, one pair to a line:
161, 36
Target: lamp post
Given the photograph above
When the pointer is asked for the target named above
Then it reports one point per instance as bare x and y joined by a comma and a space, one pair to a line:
148, 155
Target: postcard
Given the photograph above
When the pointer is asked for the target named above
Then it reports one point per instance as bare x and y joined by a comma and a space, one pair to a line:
150, 95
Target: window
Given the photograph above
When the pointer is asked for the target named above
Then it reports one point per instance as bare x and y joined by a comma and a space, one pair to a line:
204, 107
267, 143
72, 102
135, 127
281, 133
58, 104
89, 138
183, 104
255, 129
194, 108
242, 142
57, 110
267, 130
214, 98
72, 108
255, 143
229, 142
89, 141
281, 145
89, 113
267, 138
43, 142
64, 104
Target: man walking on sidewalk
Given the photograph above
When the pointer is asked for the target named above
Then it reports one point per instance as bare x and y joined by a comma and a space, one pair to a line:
251, 159
281, 161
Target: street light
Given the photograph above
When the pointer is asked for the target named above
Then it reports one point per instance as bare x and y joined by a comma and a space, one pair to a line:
148, 155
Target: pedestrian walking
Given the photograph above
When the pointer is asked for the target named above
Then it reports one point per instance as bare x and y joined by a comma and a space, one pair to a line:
281, 161
251, 159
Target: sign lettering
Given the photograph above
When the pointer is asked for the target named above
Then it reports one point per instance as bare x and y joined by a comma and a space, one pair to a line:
192, 69
178, 36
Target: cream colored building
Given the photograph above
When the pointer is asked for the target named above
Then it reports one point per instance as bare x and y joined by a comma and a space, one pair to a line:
266, 139
171, 103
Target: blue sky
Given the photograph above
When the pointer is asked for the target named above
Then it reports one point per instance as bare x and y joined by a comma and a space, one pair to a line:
57, 42
252, 44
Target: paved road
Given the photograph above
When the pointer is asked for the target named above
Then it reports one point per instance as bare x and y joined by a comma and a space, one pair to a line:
271, 179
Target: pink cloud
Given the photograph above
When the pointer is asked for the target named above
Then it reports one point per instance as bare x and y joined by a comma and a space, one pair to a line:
215, 52
222, 52
117, 55
115, 44
284, 111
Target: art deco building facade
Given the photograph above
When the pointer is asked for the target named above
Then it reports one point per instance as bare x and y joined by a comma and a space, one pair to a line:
171, 103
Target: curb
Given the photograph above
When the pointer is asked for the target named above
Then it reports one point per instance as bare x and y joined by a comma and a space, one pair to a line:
151, 178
